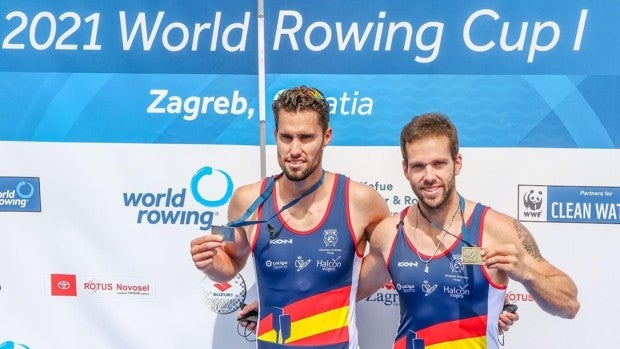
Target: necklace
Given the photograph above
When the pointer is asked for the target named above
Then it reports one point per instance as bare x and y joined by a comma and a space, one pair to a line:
443, 235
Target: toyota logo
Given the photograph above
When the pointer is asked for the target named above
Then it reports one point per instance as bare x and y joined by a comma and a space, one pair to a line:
64, 285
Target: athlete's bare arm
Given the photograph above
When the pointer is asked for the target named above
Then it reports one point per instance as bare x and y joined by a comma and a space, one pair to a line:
513, 250
374, 273
219, 260
368, 208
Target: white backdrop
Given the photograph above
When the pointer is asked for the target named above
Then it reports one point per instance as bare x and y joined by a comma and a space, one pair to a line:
106, 244
85, 230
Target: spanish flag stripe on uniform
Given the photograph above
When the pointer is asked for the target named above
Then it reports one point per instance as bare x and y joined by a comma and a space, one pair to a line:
312, 317
469, 343
401, 343
315, 330
454, 330
317, 325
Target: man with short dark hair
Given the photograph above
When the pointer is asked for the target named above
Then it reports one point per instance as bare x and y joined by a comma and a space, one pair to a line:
451, 258
309, 238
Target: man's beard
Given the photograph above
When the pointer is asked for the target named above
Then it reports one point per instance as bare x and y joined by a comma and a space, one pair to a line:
298, 176
444, 199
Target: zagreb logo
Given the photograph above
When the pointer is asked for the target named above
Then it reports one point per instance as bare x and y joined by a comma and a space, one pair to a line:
209, 187
386, 295
20, 194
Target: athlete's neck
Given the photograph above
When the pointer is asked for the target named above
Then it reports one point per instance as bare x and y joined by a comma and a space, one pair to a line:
443, 214
290, 189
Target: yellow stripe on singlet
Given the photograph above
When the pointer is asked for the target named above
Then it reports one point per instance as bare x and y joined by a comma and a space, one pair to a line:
313, 325
467, 343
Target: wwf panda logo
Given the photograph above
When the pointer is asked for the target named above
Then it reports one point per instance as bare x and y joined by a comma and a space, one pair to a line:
533, 200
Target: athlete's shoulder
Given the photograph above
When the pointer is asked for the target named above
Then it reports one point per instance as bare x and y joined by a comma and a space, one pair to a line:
368, 202
498, 226
245, 194
389, 225
384, 233
364, 192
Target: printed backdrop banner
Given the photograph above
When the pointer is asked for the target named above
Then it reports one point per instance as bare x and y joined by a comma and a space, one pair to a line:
129, 72
126, 126
530, 75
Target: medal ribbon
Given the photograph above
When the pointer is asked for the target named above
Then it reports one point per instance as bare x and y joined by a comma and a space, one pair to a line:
264, 196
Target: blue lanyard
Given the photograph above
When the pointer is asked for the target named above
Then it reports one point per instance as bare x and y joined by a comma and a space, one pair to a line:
464, 230
266, 194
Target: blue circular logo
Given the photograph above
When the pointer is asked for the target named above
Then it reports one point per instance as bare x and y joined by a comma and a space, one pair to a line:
20, 190
208, 171
12, 345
